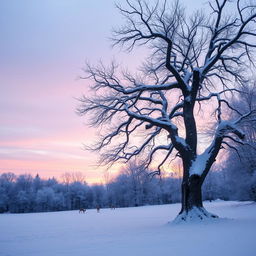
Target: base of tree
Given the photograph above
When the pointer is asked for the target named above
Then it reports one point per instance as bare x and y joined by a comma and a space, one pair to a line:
196, 214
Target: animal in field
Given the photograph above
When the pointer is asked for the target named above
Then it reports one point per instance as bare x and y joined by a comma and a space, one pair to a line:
82, 210
98, 208
112, 207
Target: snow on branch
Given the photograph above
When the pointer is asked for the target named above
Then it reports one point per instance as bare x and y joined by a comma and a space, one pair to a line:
107, 77
192, 59
229, 33
203, 162
146, 24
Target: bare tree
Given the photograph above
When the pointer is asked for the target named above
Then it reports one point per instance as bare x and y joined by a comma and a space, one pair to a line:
194, 60
243, 172
72, 177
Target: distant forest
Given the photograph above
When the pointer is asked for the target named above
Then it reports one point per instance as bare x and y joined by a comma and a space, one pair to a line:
132, 187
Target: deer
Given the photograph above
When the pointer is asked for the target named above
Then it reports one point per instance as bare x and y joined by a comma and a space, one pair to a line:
82, 210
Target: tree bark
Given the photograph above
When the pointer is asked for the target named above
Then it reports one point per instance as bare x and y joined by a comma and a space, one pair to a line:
191, 189
192, 204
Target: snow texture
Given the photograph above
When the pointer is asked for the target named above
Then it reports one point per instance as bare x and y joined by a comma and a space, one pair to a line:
199, 164
130, 231
196, 214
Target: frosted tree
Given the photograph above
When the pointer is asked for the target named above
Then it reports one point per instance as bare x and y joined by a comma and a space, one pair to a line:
241, 163
194, 61
136, 180
45, 198
6, 190
22, 201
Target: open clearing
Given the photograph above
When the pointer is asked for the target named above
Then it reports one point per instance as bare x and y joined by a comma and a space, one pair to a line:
130, 231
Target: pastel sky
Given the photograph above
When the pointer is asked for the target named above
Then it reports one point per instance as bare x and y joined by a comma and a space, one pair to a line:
43, 47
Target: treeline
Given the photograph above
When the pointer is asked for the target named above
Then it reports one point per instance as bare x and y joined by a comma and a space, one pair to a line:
133, 187
24, 193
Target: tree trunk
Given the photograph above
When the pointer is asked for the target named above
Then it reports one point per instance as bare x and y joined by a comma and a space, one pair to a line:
192, 205
191, 193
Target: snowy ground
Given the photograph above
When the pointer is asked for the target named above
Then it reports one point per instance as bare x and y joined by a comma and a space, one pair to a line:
130, 231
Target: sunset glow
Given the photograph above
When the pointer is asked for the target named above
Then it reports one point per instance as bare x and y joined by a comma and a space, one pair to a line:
43, 48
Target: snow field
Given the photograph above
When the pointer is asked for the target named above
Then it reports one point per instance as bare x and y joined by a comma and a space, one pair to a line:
130, 231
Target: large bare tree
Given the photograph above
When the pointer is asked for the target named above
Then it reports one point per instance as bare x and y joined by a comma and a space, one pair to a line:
193, 60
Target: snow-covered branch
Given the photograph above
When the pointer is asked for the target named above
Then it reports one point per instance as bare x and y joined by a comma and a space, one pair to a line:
228, 34
202, 163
